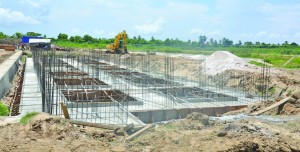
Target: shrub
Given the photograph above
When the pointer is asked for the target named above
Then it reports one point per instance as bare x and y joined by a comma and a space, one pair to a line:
4, 110
25, 119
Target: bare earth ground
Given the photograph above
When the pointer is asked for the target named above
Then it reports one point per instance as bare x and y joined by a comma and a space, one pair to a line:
5, 55
195, 133
46, 133
192, 134
283, 82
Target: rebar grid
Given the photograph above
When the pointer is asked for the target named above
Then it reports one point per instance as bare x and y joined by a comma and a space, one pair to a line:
105, 88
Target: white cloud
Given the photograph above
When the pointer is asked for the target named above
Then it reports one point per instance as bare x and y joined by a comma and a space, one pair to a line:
35, 3
108, 4
282, 17
151, 28
9, 17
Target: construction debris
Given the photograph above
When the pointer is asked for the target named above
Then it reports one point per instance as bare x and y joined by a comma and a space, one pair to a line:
272, 106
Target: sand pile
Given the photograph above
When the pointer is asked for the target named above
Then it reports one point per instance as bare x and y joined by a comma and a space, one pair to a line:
221, 61
192, 57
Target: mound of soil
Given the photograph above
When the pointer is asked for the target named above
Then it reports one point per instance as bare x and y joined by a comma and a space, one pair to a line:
291, 107
47, 133
193, 121
238, 135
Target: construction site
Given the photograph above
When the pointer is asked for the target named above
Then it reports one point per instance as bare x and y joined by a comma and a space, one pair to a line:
149, 76
133, 89
110, 98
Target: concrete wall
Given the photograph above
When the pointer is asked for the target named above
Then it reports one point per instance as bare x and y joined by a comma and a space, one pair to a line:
151, 116
8, 69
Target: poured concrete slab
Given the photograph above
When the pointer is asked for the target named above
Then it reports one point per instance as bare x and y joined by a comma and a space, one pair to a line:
31, 98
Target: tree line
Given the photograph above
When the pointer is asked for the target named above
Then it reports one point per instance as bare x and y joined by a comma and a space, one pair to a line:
203, 41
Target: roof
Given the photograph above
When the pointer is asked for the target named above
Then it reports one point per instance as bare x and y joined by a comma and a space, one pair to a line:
39, 40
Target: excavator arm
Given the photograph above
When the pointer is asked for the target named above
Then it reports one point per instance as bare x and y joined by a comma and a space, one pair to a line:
119, 45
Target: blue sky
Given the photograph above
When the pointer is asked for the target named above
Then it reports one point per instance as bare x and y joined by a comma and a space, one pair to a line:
271, 21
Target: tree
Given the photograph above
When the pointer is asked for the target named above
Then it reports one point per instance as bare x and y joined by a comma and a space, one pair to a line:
189, 41
248, 44
72, 39
226, 42
152, 41
286, 44
78, 39
211, 41
202, 40
88, 38
62, 36
215, 43
2, 35
17, 35
33, 34
293, 44
167, 41
239, 43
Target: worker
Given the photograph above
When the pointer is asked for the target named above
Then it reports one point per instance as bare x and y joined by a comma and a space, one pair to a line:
22, 46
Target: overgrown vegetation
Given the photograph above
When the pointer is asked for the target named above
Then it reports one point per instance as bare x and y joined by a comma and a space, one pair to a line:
27, 54
25, 119
4, 110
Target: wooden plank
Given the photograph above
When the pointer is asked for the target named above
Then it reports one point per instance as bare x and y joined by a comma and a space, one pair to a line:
289, 60
136, 134
65, 110
271, 107
96, 125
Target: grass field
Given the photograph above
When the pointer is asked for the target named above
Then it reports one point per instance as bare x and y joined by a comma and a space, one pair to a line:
275, 56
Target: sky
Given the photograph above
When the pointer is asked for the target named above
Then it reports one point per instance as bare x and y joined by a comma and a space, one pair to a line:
270, 21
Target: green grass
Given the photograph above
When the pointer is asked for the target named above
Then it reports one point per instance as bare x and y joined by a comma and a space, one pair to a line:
256, 63
4, 110
169, 126
27, 54
25, 119
275, 56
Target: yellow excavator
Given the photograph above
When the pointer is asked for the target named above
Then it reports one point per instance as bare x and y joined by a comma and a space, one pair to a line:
119, 45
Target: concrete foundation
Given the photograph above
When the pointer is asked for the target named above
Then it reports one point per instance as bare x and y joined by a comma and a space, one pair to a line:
159, 115
7, 71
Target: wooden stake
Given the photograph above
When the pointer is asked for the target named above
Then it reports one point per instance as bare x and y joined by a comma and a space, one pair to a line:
65, 110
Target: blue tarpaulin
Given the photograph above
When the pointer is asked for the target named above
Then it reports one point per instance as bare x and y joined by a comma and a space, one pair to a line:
25, 39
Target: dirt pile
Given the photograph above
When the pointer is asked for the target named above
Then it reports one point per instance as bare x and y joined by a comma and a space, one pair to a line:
46, 133
237, 135
5, 55
221, 61
193, 121
291, 107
